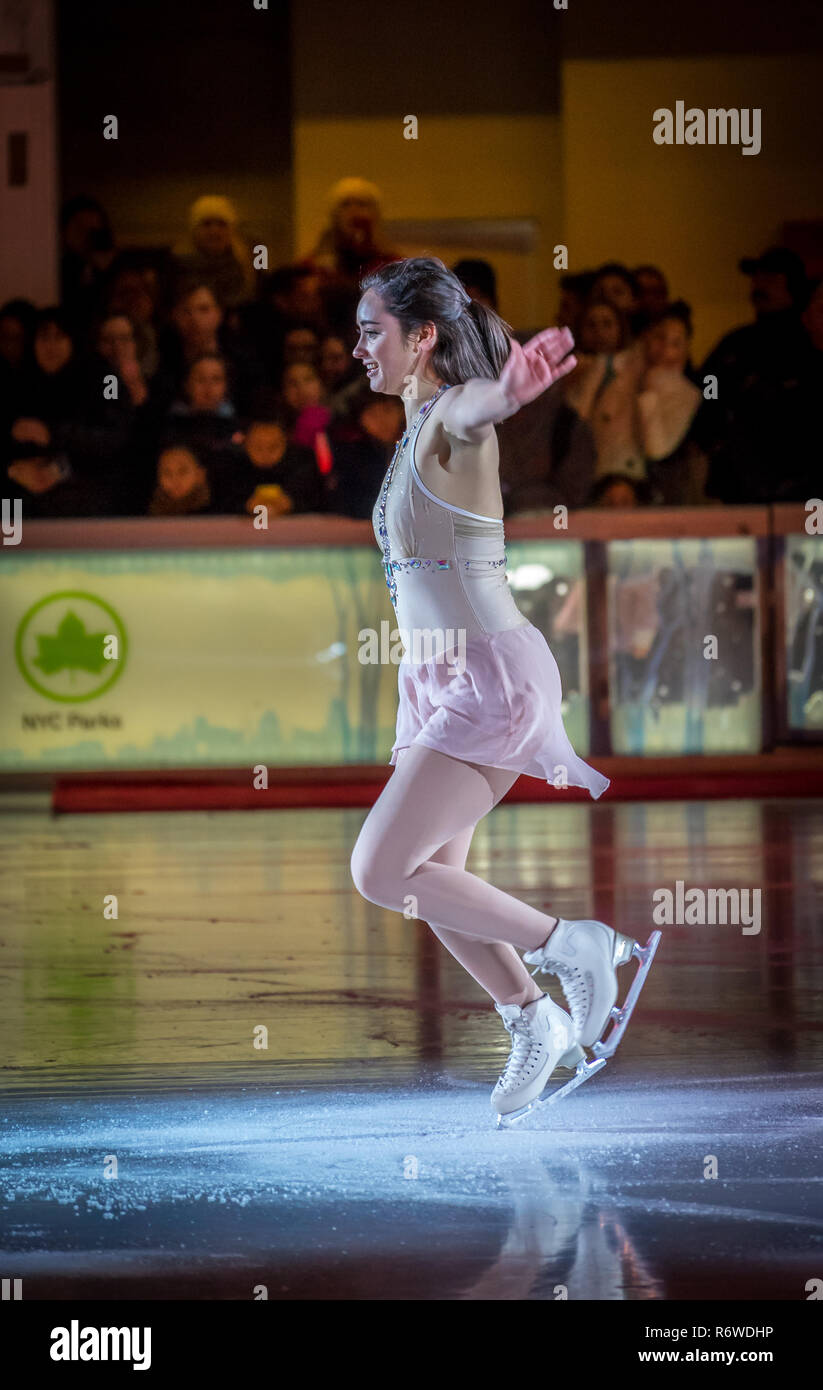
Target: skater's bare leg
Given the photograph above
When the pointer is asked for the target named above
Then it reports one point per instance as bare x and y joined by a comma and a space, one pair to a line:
493, 964
428, 801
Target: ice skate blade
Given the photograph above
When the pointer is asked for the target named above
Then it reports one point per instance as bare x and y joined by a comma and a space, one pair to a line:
619, 1017
584, 1071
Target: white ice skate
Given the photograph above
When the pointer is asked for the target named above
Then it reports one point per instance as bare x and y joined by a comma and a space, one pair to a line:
542, 1037
585, 955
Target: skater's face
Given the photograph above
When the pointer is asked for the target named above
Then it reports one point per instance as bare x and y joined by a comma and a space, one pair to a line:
389, 359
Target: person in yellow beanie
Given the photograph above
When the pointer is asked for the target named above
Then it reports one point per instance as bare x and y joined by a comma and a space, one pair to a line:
214, 251
349, 246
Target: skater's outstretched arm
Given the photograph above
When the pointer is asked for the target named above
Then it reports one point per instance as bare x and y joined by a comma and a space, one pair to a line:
470, 411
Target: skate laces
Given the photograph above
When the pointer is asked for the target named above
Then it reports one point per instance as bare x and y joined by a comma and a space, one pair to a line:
519, 1029
574, 987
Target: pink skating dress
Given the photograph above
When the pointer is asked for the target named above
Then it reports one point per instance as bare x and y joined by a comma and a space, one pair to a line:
477, 680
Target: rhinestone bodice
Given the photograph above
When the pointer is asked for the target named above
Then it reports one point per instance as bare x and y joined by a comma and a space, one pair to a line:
444, 566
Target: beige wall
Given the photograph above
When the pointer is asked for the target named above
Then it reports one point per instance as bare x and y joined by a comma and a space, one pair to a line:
484, 167
594, 179
28, 214
694, 210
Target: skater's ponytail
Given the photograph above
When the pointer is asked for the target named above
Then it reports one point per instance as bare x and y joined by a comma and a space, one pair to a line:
472, 340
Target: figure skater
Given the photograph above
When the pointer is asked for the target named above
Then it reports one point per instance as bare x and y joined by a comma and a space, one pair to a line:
483, 706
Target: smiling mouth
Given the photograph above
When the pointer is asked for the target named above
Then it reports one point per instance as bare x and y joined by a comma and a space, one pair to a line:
371, 368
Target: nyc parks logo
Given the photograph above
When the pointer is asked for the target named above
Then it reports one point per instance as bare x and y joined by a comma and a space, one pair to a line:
70, 646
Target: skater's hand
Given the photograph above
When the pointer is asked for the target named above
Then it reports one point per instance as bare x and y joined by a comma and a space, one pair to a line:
532, 368
471, 410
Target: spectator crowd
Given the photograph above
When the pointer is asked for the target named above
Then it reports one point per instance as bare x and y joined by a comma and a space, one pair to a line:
186, 382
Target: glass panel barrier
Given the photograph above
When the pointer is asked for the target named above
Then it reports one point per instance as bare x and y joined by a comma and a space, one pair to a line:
684, 640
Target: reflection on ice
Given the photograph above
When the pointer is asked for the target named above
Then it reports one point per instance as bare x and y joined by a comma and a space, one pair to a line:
351, 1191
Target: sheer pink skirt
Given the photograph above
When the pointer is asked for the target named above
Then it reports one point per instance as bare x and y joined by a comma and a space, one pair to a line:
503, 710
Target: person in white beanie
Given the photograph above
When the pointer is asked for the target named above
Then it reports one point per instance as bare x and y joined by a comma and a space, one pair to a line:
214, 251
349, 245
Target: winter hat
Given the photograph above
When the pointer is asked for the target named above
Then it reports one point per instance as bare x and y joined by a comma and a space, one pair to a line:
212, 205
352, 188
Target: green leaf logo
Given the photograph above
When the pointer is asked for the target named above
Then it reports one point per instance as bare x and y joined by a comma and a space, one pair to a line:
59, 646
71, 649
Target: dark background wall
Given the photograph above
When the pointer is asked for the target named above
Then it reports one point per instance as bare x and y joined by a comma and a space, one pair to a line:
505, 55
202, 89
689, 28
437, 56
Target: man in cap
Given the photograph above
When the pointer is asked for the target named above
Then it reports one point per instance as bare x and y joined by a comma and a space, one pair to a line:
757, 368
778, 295
779, 281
